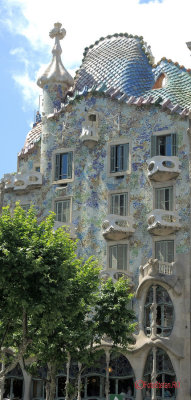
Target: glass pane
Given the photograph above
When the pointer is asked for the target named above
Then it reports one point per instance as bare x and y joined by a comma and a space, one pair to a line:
59, 211
170, 251
37, 388
61, 386
122, 256
168, 145
64, 166
7, 388
112, 161
93, 386
161, 145
123, 204
113, 257
17, 389
115, 204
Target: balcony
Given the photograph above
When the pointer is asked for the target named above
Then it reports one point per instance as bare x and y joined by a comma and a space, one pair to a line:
89, 136
116, 274
160, 271
155, 267
163, 168
163, 222
21, 182
118, 227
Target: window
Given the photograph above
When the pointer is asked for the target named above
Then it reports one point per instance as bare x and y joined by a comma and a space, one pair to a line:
37, 389
62, 210
118, 204
118, 256
164, 317
37, 169
63, 166
119, 157
163, 145
164, 250
164, 372
92, 117
164, 198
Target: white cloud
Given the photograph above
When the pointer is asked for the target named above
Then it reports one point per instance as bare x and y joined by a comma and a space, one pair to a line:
164, 25
30, 90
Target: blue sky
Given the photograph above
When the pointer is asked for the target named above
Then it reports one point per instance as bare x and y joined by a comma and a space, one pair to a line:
26, 47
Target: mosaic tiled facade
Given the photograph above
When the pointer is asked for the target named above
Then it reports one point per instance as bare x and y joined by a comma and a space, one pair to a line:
114, 152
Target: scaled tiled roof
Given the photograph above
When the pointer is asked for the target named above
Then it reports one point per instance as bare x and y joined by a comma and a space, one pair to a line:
33, 137
119, 61
122, 63
178, 83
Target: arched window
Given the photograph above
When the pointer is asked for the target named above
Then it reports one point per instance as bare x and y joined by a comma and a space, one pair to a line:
13, 388
121, 378
158, 312
159, 366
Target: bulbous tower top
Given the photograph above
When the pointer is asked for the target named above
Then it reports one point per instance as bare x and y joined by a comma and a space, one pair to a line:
55, 72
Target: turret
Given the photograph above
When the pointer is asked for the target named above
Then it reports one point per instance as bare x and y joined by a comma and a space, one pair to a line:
55, 81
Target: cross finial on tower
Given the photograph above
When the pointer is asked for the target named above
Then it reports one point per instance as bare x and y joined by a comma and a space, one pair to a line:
58, 34
55, 72
57, 31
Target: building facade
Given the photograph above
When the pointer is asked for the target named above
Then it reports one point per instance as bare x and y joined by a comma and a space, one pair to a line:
111, 156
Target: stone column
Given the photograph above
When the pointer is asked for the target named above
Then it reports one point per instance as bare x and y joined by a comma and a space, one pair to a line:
153, 375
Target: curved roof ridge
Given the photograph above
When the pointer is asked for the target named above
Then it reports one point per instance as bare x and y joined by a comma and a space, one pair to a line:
145, 47
176, 63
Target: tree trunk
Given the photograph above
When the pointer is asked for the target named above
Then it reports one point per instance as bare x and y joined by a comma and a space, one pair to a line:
79, 381
27, 381
68, 376
2, 382
107, 375
51, 382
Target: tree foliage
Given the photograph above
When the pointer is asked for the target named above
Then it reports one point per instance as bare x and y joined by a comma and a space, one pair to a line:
53, 305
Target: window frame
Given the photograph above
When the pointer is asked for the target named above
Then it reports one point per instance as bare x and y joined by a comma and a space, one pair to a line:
62, 152
118, 143
118, 192
154, 137
63, 198
118, 243
165, 239
161, 305
164, 185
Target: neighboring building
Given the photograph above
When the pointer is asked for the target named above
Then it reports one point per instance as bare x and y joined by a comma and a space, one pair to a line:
111, 157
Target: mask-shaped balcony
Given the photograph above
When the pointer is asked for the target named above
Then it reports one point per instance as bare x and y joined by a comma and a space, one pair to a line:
115, 275
163, 222
156, 270
21, 182
155, 267
117, 227
89, 136
163, 168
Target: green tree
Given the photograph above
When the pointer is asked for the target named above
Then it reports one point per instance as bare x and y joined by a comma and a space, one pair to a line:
54, 306
111, 320
37, 269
